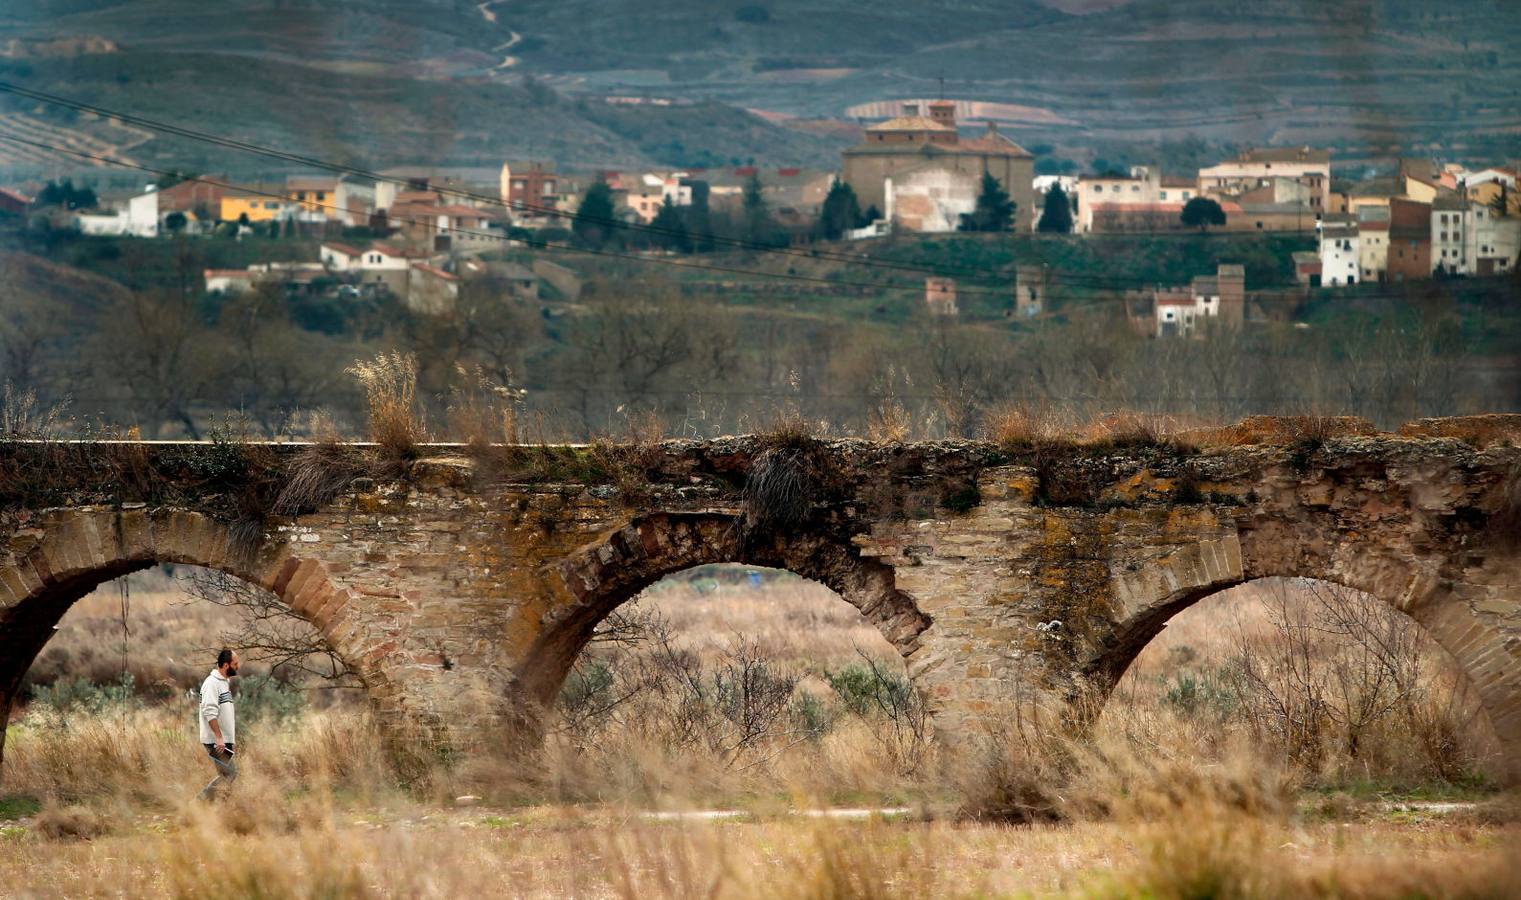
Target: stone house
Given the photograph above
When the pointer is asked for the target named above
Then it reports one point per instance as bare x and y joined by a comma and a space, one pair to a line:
940, 296
1309, 166
1409, 240
909, 142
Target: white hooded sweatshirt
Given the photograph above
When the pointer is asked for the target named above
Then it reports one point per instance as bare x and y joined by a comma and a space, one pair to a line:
216, 703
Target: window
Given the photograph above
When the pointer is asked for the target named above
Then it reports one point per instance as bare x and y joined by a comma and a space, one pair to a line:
1135, 189
1098, 188
300, 195
1164, 195
1185, 195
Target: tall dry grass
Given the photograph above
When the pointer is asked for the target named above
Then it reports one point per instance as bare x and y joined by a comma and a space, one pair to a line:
1163, 802
396, 420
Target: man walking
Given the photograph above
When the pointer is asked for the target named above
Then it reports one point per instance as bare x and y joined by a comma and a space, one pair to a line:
218, 730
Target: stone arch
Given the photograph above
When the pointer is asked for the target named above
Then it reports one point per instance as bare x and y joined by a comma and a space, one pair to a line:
1468, 620
599, 577
66, 554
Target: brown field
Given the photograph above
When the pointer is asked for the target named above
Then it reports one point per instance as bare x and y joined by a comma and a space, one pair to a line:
1180, 793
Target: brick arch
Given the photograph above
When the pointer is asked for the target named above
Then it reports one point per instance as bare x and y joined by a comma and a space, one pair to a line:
596, 579
67, 554
1453, 614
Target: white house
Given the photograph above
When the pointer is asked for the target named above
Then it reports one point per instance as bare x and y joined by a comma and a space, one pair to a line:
137, 218
1495, 241
1451, 230
340, 257
1254, 168
228, 281
1340, 253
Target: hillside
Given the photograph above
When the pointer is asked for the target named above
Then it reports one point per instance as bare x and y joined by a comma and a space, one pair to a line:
373, 83
392, 81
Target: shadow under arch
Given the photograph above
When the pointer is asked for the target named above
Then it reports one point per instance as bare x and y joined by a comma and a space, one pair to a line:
1477, 650
68, 554
601, 576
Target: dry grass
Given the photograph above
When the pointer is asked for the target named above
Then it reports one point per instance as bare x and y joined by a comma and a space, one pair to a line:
396, 421
482, 412
1279, 430
1159, 805
1022, 427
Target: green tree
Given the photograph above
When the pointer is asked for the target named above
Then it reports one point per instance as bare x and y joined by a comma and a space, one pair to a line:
759, 226
699, 218
1202, 212
175, 221
840, 212
1057, 216
994, 210
669, 230
594, 217
1501, 203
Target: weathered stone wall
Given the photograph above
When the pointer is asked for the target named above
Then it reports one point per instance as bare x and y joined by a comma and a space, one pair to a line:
461, 591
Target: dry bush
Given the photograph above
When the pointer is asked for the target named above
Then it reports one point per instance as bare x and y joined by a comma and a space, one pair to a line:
1335, 686
483, 412
780, 489
22, 416
317, 475
1015, 770
1311, 430
1131, 429
1478, 431
1021, 427
202, 861
889, 420
390, 389
73, 822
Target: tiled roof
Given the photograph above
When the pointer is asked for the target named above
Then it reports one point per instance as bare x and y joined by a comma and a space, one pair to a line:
1285, 154
435, 272
345, 249
397, 252
991, 143
911, 123
310, 183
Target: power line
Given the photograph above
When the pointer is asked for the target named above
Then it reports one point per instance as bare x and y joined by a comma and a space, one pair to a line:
1050, 278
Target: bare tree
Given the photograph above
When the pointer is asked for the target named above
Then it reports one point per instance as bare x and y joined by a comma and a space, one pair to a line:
269, 631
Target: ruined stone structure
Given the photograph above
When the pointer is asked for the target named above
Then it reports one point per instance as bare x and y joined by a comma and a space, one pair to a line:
461, 589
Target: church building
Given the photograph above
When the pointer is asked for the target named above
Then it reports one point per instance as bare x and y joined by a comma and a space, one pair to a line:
916, 169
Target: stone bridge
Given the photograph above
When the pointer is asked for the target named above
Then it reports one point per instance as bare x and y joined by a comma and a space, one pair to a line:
461, 584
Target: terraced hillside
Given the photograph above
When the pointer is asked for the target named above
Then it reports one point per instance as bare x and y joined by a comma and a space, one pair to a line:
459, 81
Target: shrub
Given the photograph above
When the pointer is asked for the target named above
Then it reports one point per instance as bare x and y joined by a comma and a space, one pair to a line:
390, 388
265, 699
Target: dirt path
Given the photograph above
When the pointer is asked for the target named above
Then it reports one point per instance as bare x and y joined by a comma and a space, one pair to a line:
513, 38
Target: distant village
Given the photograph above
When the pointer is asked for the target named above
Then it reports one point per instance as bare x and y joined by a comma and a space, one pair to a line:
419, 233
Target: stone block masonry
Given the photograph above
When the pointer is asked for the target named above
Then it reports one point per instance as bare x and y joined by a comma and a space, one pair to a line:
461, 590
